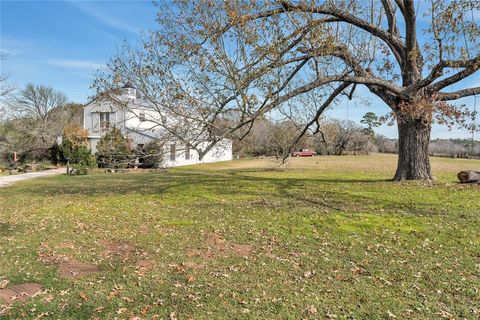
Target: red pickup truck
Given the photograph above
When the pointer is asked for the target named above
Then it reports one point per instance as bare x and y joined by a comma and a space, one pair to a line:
304, 153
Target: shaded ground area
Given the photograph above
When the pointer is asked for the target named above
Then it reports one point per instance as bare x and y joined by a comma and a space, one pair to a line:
67, 267
19, 293
245, 239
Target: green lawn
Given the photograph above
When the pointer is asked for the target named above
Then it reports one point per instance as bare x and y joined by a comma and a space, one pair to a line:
323, 237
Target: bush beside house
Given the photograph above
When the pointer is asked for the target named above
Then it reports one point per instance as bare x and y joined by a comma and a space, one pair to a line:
150, 155
74, 149
114, 150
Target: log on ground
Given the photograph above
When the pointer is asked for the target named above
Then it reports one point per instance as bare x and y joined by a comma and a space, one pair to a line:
469, 176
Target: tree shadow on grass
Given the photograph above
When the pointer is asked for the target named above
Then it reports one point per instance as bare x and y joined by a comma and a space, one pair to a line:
344, 201
7, 229
287, 189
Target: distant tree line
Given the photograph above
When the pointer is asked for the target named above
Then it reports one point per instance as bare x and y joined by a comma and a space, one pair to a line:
459, 148
279, 138
337, 137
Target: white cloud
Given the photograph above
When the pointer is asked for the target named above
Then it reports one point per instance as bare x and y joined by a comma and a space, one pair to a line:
5, 53
14, 46
75, 64
106, 19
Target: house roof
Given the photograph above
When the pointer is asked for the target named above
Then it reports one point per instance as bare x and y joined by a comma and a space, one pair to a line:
128, 85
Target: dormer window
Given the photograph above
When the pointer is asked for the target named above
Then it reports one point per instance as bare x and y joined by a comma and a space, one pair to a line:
129, 90
141, 116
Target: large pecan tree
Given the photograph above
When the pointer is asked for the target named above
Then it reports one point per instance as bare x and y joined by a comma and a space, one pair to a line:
222, 65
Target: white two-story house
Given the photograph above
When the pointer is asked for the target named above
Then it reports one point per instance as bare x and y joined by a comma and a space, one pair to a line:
140, 124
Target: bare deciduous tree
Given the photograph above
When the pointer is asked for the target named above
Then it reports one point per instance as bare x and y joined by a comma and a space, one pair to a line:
271, 138
342, 137
39, 111
5, 89
222, 65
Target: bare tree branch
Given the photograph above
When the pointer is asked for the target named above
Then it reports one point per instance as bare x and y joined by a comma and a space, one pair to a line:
438, 69
390, 12
319, 113
458, 94
472, 66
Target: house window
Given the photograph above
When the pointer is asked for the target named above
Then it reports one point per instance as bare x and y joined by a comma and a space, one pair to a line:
172, 152
187, 151
105, 120
95, 122
141, 116
164, 119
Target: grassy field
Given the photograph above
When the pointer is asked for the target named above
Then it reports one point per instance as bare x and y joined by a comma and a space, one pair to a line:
317, 238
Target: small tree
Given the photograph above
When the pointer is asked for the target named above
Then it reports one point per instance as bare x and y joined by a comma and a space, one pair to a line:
283, 139
114, 150
74, 147
75, 135
151, 154
342, 137
371, 121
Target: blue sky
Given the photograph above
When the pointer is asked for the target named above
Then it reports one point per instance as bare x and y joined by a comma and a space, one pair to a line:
62, 43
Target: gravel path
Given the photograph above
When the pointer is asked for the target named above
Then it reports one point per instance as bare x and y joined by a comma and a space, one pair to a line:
8, 180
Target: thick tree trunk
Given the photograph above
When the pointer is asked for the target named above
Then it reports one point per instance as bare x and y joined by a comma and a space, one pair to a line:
413, 160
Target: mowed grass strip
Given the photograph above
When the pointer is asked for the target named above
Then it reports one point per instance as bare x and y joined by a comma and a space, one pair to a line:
320, 237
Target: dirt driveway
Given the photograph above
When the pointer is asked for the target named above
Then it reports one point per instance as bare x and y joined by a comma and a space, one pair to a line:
8, 180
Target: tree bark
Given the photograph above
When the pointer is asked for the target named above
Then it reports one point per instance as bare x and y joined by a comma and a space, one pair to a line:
413, 141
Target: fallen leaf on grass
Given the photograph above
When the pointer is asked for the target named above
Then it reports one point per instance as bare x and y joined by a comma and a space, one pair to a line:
311, 310
390, 314
83, 296
4, 283
122, 310
444, 314
145, 310
64, 292
309, 274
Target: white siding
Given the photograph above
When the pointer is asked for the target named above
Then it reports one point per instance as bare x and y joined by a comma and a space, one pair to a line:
221, 152
142, 132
